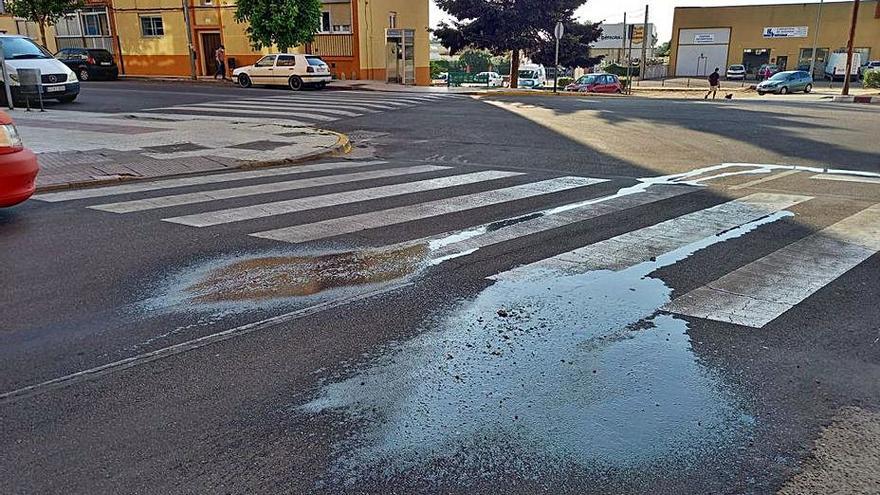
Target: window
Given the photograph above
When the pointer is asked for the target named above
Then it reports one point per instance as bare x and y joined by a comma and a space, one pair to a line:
151, 26
865, 53
392, 20
68, 25
325, 22
806, 57
95, 24
267, 61
286, 61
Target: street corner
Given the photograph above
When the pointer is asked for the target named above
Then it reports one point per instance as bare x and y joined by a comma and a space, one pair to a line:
91, 149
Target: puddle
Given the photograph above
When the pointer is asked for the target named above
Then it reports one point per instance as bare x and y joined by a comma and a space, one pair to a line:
248, 282
275, 277
534, 377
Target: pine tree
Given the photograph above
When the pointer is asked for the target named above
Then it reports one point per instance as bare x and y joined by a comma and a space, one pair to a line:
501, 26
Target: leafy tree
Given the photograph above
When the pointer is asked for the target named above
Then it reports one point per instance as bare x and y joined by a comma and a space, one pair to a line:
663, 49
503, 26
574, 47
476, 60
283, 23
42, 12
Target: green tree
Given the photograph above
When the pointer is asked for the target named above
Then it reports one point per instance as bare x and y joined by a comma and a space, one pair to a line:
663, 49
42, 12
476, 60
574, 47
503, 26
283, 23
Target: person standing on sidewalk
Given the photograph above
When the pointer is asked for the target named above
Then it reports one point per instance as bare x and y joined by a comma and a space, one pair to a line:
714, 79
220, 59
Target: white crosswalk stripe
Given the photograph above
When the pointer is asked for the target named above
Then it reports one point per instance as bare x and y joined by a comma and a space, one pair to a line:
272, 187
346, 225
296, 205
751, 295
196, 181
763, 290
299, 108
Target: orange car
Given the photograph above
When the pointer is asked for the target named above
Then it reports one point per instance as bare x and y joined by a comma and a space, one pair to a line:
18, 165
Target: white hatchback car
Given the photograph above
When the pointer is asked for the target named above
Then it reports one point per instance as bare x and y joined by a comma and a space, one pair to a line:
283, 69
736, 71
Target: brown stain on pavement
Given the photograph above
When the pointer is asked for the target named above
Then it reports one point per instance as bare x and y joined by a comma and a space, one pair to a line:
275, 277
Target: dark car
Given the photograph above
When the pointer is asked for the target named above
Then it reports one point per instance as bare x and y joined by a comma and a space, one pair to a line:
89, 63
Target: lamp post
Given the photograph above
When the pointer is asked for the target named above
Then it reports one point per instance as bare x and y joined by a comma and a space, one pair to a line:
816, 39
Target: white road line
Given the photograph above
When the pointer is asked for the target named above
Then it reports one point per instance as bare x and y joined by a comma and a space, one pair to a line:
752, 183
388, 105
166, 352
447, 246
394, 101
350, 110
272, 187
158, 116
197, 181
331, 104
639, 246
302, 204
309, 116
758, 293
393, 216
847, 178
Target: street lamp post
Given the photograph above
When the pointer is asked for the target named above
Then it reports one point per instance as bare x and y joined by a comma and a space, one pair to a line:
816, 39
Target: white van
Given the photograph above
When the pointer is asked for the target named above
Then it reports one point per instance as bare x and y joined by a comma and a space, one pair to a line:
532, 76
58, 81
835, 66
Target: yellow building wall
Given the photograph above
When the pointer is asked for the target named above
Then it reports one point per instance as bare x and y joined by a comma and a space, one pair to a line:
747, 23
144, 55
31, 29
340, 13
373, 20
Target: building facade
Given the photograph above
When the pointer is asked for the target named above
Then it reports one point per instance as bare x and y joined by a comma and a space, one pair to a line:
386, 40
707, 37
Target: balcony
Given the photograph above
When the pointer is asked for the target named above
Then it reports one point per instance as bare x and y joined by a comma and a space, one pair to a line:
331, 45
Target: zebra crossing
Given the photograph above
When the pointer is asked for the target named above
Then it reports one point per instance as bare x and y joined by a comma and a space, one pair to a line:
299, 108
752, 295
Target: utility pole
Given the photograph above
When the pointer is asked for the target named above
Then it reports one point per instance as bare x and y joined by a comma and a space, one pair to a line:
189, 39
645, 36
623, 48
849, 47
629, 64
815, 39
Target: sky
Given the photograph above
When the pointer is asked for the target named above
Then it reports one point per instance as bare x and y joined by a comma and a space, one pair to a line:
660, 11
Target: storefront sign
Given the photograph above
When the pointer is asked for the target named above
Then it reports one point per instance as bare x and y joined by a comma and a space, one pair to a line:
785, 32
700, 39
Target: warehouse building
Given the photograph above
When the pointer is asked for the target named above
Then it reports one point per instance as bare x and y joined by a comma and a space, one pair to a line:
615, 47
782, 34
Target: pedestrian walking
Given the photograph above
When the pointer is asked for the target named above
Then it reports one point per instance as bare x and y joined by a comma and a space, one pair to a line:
714, 84
220, 59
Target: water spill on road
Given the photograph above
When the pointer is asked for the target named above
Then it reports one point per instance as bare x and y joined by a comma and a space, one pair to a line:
262, 280
534, 376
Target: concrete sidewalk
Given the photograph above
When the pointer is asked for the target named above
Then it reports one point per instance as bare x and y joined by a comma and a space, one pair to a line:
86, 148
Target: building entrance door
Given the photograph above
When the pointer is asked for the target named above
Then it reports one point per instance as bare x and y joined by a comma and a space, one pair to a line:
782, 62
754, 58
210, 44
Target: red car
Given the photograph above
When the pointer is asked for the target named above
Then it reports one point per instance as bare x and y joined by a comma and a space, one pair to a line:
596, 83
18, 165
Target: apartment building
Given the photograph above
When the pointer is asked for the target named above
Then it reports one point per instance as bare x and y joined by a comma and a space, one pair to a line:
385, 40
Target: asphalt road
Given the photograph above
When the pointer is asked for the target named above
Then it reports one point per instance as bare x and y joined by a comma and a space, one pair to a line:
436, 324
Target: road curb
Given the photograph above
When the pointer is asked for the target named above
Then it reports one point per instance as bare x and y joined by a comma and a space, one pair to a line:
342, 147
875, 100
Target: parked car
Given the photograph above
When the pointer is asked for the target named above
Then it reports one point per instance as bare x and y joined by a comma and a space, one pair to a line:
295, 71
58, 81
835, 66
18, 165
492, 79
736, 71
766, 71
787, 82
596, 83
532, 76
89, 63
442, 79
873, 64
